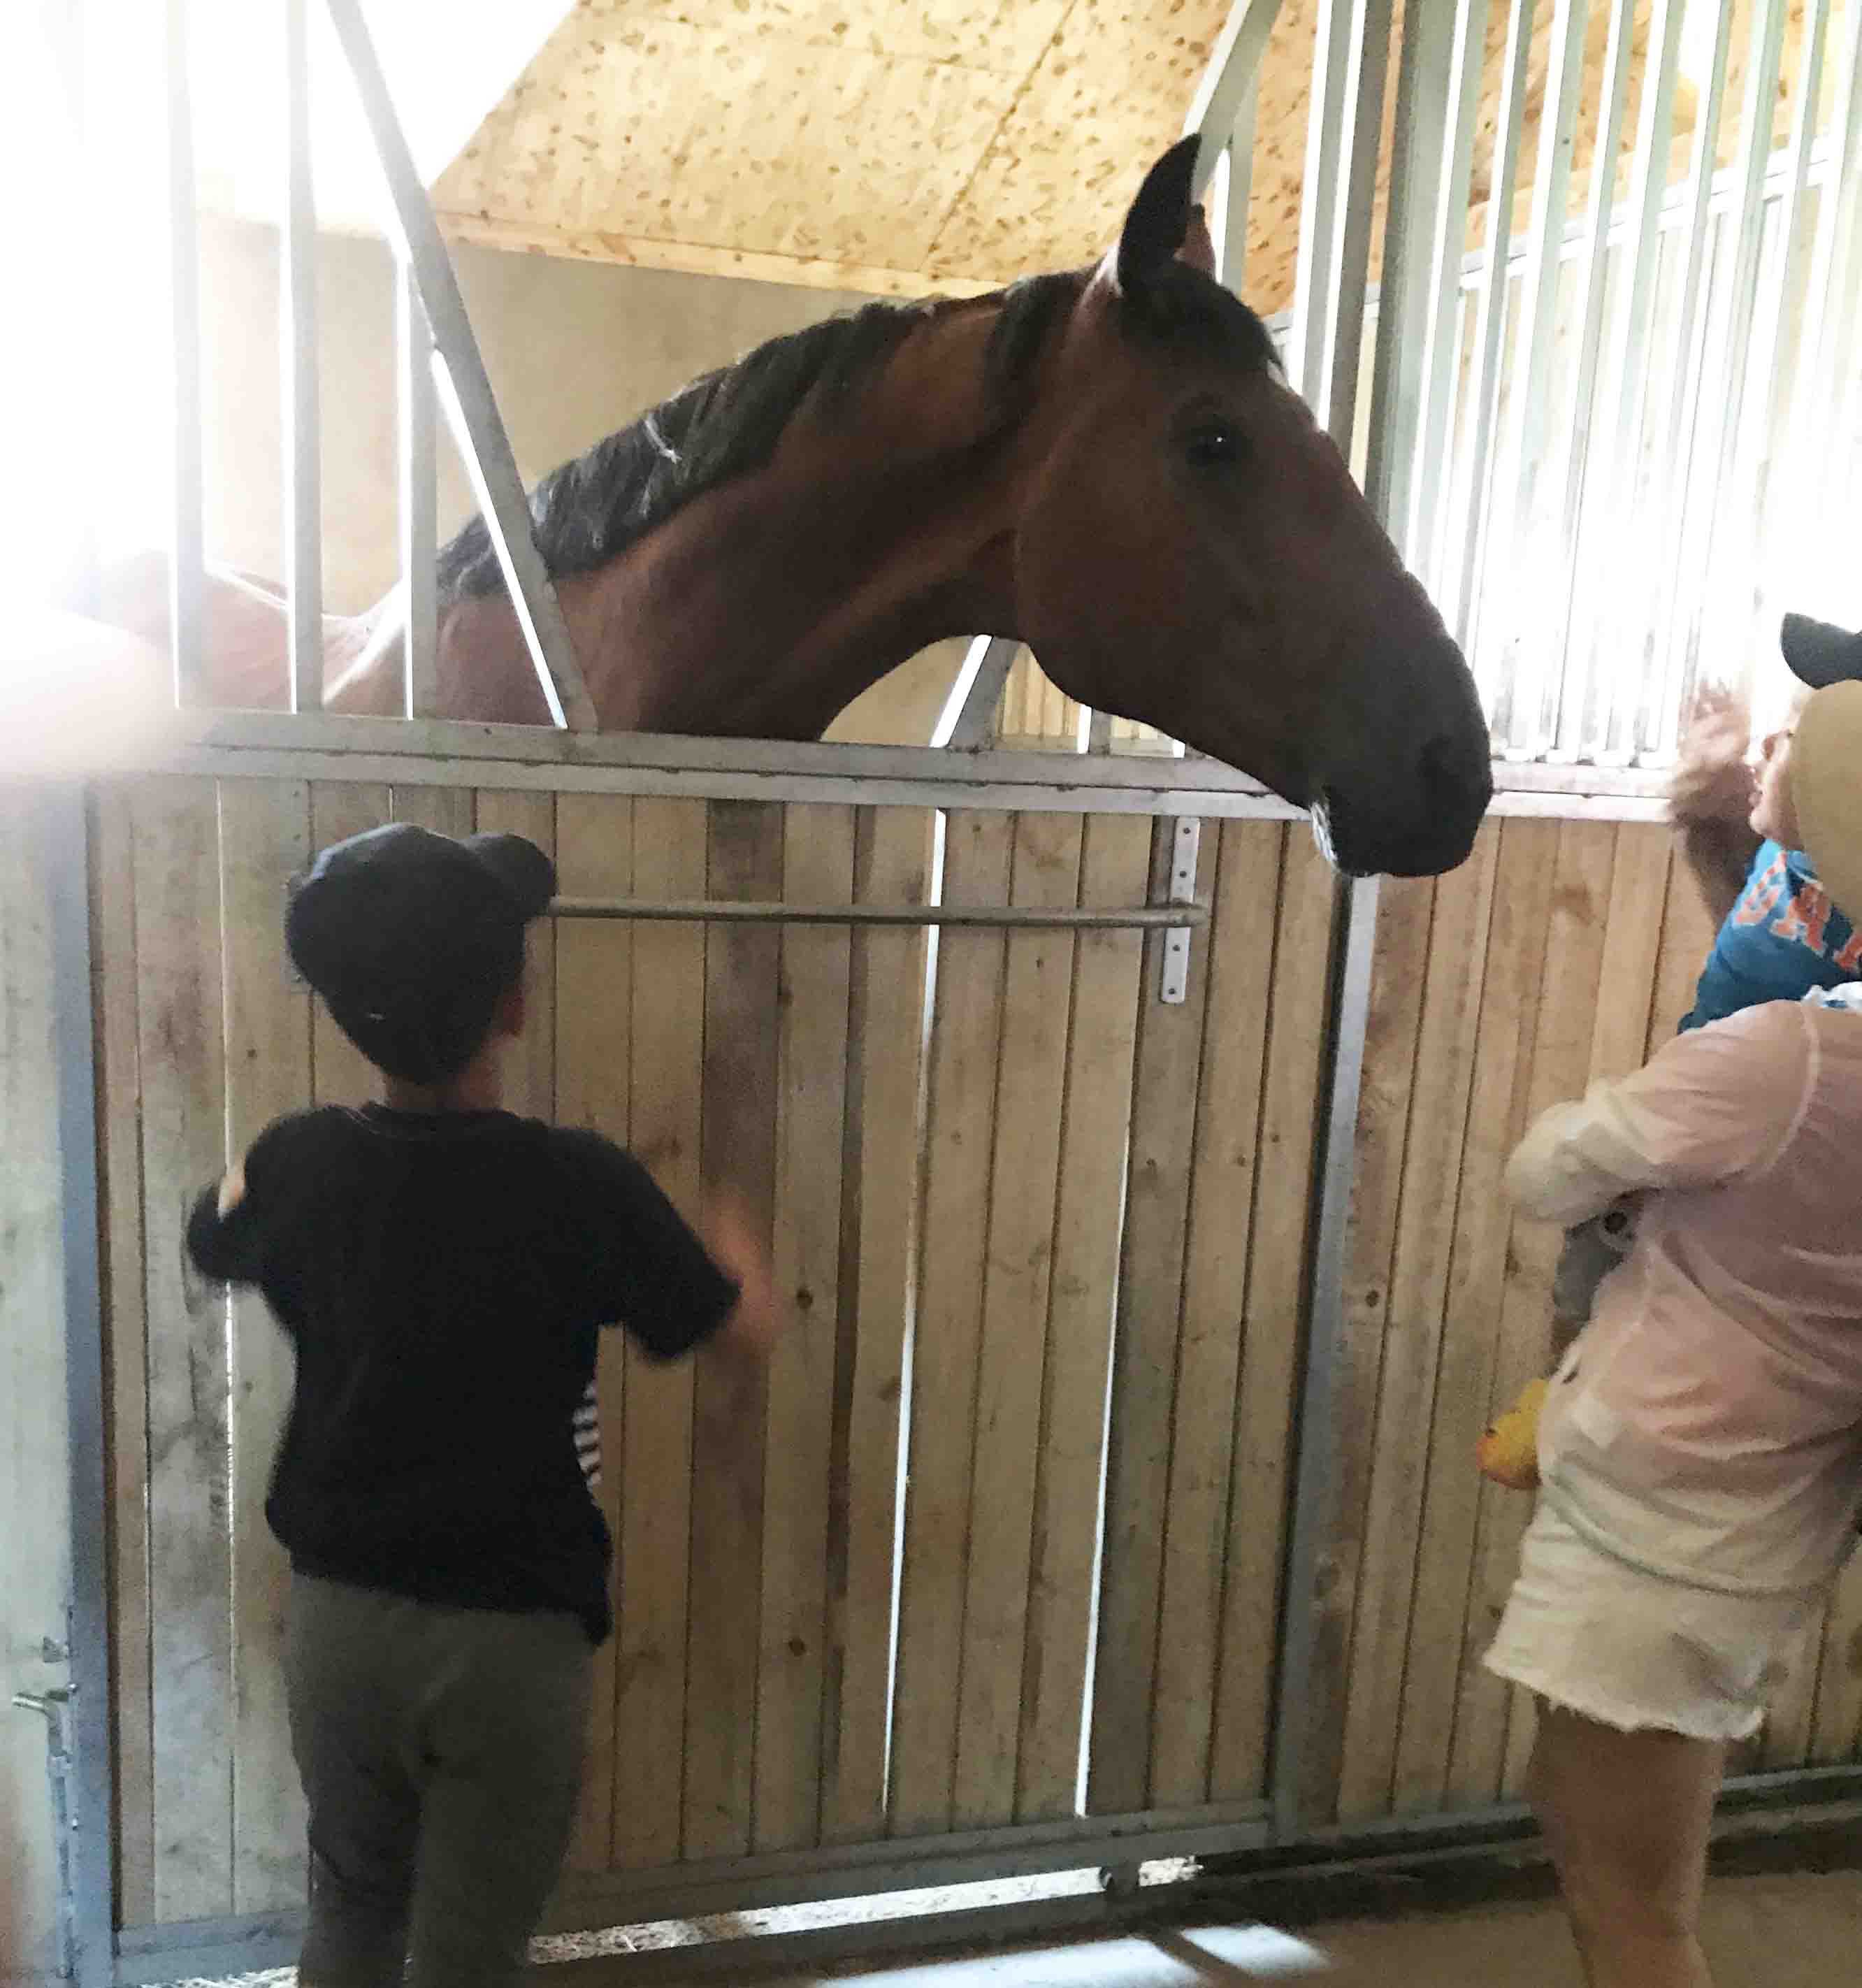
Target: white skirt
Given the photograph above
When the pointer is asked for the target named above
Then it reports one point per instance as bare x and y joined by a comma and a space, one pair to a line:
1633, 1650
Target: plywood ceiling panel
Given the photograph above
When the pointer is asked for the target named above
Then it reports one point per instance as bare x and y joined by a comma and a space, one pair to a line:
911, 146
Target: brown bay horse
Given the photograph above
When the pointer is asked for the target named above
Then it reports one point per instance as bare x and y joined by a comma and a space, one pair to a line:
1105, 464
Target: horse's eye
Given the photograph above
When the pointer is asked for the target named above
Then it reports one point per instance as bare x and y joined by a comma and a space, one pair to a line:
1215, 445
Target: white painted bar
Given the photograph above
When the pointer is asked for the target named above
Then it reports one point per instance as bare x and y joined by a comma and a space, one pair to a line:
186, 608
464, 392
419, 532
302, 426
1521, 658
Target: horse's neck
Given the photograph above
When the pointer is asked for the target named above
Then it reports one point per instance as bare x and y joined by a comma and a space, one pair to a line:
767, 605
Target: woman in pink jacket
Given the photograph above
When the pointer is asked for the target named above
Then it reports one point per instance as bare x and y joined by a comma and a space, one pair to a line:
1701, 1445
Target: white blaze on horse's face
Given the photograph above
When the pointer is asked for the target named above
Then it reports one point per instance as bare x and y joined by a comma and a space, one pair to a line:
1244, 597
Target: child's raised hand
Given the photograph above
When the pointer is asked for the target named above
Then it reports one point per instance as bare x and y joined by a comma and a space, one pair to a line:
1711, 774
737, 1243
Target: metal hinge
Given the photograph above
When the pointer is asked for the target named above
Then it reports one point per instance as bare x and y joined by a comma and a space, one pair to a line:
53, 1706
1174, 986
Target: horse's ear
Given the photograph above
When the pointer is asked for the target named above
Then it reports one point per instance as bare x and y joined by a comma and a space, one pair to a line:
1159, 222
1198, 248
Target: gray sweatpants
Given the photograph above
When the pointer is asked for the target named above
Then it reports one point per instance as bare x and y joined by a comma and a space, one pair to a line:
441, 1752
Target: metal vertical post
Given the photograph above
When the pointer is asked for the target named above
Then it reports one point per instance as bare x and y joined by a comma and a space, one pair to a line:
1346, 244
1578, 470
414, 359
464, 391
1490, 321
1528, 430
298, 342
1612, 528
1457, 97
1315, 1471
1760, 109
62, 859
185, 608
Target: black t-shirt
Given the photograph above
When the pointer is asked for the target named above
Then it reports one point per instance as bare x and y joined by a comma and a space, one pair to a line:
442, 1280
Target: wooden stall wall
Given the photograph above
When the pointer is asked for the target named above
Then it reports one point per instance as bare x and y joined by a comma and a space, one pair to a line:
1564, 951
1037, 1232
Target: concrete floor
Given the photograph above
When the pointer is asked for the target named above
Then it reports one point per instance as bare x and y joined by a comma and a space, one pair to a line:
1802, 1930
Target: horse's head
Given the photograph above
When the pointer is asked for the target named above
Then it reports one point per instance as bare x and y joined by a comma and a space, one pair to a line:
1193, 553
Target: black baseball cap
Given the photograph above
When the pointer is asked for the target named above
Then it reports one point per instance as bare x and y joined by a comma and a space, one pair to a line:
1820, 653
411, 937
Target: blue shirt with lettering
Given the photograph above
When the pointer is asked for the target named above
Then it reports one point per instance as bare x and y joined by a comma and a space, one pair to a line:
1783, 938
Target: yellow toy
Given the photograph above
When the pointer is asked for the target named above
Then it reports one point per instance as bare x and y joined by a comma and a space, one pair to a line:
1508, 1451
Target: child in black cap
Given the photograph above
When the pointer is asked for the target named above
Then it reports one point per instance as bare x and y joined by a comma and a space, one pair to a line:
442, 1268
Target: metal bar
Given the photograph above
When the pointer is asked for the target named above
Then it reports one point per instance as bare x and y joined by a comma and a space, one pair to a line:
1490, 320
1174, 971
749, 912
1577, 466
968, 721
63, 860
297, 331
1755, 147
465, 392
1369, 69
1459, 100
1315, 1482
1767, 450
186, 607
419, 535
1611, 525
1668, 494
1813, 384
1529, 391
1228, 89
1309, 344
1408, 292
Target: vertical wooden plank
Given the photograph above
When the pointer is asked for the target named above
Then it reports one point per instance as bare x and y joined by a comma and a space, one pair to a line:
184, 1128
1405, 917
446, 810
741, 972
1687, 934
1246, 891
126, 1339
1024, 1169
666, 1039
1465, 1380
1558, 1069
892, 866
1272, 1330
964, 1054
340, 1074
1095, 1134
36, 1529
593, 1027
811, 1113
1632, 950
530, 1062
1144, 1366
265, 840
1439, 1099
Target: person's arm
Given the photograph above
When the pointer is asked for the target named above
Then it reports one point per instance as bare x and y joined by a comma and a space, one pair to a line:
1711, 1105
227, 1229
1710, 798
649, 1272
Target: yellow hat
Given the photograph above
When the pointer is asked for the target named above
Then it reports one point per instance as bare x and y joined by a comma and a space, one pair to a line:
1826, 790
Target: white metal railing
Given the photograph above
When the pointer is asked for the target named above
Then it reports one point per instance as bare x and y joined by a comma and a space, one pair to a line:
440, 363
1613, 463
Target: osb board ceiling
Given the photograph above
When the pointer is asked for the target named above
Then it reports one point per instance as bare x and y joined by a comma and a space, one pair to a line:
948, 145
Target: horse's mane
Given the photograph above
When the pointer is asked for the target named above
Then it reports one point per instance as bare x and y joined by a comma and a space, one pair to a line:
727, 424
